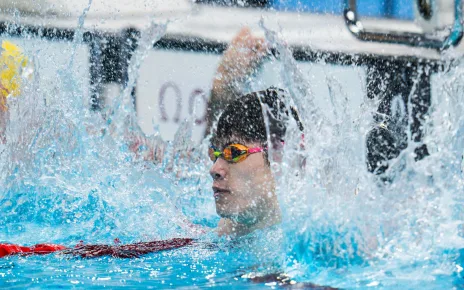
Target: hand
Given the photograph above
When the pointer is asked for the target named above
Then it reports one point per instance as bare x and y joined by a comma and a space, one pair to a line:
240, 59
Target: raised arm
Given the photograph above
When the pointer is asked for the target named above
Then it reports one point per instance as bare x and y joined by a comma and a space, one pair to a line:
241, 59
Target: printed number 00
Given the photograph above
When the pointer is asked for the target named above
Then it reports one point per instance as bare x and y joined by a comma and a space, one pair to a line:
193, 96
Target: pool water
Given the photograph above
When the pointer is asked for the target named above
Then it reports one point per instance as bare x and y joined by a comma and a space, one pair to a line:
199, 265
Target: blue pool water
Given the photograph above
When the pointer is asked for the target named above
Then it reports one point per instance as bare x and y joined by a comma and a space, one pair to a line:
67, 176
202, 265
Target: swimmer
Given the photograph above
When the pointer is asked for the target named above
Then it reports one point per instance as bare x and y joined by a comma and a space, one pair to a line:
242, 181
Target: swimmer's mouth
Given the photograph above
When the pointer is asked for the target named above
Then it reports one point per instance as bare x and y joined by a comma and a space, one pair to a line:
219, 191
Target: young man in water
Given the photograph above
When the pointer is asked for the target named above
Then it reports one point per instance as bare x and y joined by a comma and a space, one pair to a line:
248, 131
243, 183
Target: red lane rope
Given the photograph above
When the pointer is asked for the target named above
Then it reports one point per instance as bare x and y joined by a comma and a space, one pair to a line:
92, 251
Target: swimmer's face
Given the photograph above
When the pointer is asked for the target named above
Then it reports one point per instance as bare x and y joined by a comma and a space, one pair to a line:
243, 191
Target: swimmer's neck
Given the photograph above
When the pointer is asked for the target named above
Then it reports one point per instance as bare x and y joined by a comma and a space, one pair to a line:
234, 229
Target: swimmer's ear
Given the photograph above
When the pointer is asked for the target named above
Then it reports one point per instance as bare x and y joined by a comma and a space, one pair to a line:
12, 61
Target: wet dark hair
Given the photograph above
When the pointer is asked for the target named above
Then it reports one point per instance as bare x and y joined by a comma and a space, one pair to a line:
243, 118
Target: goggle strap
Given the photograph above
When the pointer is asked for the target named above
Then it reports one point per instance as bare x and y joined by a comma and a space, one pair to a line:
255, 150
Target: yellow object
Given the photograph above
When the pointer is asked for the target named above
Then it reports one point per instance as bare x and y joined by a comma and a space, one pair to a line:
12, 60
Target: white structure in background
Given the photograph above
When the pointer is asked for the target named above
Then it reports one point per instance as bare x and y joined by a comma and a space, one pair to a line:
170, 77
109, 14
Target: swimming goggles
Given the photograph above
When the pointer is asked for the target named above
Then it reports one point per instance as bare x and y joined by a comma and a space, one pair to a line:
233, 153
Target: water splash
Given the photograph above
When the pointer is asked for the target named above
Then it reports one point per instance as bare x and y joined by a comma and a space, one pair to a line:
67, 174
339, 217
70, 171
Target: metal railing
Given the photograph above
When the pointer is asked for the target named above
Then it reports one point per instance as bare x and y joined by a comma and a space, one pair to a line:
406, 38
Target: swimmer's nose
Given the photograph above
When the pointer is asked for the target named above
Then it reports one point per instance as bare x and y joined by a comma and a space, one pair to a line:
219, 169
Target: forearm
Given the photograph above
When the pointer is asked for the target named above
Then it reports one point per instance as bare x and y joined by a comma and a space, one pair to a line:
241, 58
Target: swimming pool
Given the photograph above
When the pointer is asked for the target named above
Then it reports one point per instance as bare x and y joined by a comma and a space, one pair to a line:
74, 179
